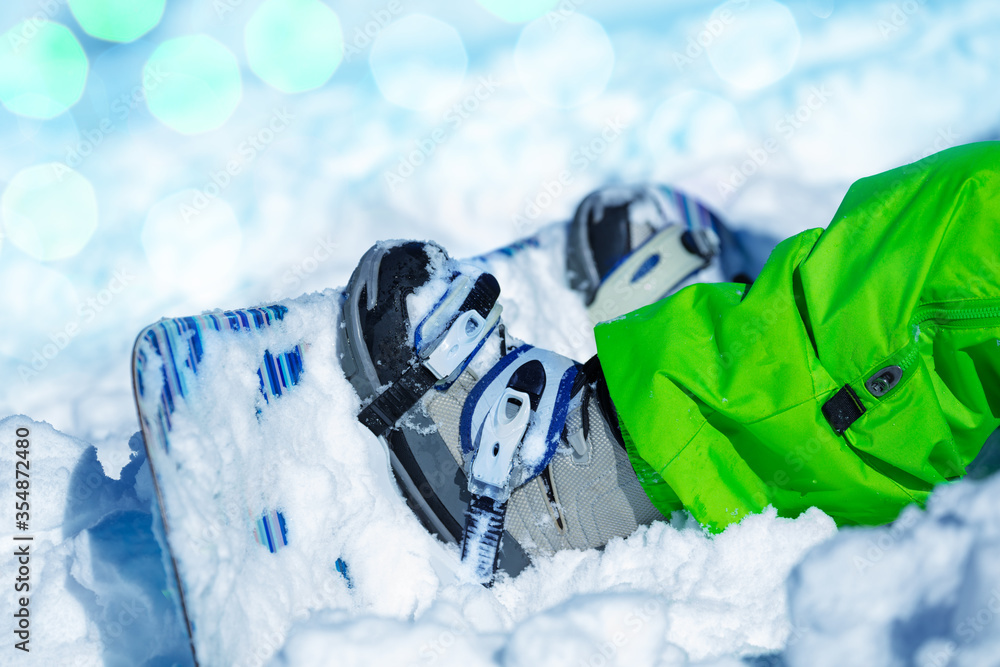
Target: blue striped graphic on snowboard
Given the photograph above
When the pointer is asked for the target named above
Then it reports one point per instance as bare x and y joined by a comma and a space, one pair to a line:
179, 343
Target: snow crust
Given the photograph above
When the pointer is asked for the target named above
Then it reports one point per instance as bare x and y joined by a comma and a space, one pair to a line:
97, 570
924, 591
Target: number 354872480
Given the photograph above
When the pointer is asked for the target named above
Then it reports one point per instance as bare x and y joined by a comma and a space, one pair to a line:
22, 467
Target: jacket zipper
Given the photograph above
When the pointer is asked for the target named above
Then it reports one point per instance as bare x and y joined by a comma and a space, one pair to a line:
944, 316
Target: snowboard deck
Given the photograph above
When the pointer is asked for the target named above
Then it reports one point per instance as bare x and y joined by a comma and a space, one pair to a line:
212, 388
166, 363
253, 443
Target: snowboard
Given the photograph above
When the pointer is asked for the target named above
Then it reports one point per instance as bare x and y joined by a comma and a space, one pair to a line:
275, 501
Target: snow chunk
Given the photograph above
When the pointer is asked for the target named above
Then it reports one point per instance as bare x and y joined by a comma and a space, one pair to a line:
923, 591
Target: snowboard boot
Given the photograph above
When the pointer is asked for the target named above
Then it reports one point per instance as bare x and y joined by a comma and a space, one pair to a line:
629, 246
572, 484
508, 450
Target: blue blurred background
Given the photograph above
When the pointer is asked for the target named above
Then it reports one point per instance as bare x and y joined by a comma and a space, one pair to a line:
160, 158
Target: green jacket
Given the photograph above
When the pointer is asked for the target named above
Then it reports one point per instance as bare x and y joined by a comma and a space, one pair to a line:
720, 390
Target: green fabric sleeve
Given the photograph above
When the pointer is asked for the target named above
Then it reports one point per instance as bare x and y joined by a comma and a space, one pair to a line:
721, 389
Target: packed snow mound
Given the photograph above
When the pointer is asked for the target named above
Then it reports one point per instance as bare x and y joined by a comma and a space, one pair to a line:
924, 591
722, 594
609, 629
96, 568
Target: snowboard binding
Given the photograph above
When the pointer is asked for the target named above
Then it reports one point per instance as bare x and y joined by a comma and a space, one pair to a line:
412, 321
483, 432
508, 450
629, 246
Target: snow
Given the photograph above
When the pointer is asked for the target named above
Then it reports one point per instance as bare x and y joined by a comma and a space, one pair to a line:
925, 591
96, 567
487, 160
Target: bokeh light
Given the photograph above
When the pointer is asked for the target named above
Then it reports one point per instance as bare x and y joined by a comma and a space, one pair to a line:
49, 211
117, 20
564, 63
418, 62
693, 128
43, 69
192, 84
192, 241
518, 11
41, 300
294, 45
759, 47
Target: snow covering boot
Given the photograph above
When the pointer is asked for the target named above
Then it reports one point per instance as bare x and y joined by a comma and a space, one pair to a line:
496, 445
629, 246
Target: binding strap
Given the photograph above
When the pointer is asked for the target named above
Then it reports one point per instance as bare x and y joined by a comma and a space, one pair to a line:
467, 329
484, 522
652, 270
382, 414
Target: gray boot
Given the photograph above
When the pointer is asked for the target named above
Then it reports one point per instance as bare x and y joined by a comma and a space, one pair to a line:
510, 453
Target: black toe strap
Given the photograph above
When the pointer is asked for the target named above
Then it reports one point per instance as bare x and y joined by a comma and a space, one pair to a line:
382, 414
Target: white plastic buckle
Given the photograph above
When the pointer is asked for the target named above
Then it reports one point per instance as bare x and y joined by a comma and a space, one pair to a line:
621, 292
501, 436
462, 338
